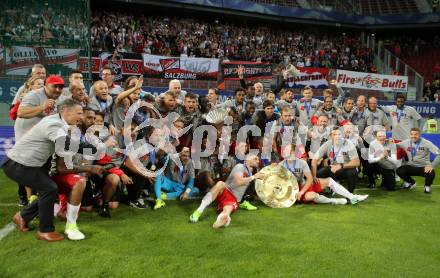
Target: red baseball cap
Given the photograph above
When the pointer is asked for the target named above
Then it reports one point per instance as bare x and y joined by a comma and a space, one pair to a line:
54, 80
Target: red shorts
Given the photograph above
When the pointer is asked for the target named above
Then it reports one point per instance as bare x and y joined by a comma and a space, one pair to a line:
315, 187
400, 153
66, 182
226, 198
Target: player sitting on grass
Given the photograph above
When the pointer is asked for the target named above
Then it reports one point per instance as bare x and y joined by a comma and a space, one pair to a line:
309, 188
175, 181
227, 193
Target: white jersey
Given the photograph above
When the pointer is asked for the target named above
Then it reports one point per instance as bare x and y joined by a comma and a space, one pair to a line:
237, 190
307, 109
402, 120
342, 152
298, 168
318, 136
38, 145
103, 107
18, 94
376, 150
376, 117
32, 99
419, 152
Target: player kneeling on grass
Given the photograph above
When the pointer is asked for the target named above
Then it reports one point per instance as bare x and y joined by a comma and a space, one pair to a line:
309, 188
72, 184
108, 183
343, 158
175, 181
227, 193
419, 164
382, 159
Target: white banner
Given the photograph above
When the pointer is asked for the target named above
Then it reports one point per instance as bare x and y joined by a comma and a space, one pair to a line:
313, 77
20, 59
180, 67
372, 81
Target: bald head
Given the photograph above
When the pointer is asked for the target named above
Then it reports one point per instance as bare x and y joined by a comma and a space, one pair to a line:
101, 89
175, 86
372, 103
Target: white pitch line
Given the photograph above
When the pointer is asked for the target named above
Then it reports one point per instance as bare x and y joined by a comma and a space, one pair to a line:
8, 205
8, 228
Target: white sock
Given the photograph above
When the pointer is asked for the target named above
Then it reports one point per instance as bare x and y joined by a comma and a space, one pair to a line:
320, 199
206, 201
72, 213
339, 189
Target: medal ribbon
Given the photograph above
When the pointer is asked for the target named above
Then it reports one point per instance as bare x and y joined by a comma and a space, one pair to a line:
286, 164
399, 115
247, 170
308, 106
414, 149
335, 155
153, 157
181, 173
100, 105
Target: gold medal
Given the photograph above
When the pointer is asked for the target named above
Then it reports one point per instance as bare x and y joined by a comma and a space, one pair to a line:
153, 167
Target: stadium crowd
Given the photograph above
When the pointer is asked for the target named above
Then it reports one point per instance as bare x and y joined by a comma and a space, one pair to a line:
431, 91
58, 128
192, 37
32, 22
407, 46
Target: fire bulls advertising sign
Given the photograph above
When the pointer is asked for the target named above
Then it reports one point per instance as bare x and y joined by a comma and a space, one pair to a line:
252, 70
186, 68
371, 81
123, 64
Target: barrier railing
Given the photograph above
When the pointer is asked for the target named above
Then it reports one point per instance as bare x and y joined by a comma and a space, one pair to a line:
388, 63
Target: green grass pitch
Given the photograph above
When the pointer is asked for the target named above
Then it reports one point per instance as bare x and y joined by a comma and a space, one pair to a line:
392, 234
